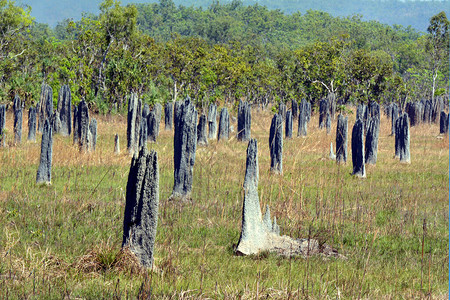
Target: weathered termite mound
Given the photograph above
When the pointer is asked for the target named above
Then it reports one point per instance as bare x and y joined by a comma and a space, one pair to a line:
259, 233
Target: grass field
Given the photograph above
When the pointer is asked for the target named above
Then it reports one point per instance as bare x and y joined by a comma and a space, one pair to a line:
64, 240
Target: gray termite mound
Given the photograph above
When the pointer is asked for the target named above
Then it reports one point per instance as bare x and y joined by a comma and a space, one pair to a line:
276, 144
282, 110
331, 99
133, 123
371, 146
254, 230
332, 156
202, 139
2, 125
224, 125
56, 123
65, 110
212, 121
44, 172
45, 106
18, 117
152, 126
116, 144
185, 145
303, 119
244, 121
258, 232
358, 149
328, 122
92, 135
308, 110
157, 108
341, 139
141, 207
32, 124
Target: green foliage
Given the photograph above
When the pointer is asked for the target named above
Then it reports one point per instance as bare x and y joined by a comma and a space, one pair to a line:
226, 52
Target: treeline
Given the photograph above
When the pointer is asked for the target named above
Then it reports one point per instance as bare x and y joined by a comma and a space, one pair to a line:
223, 53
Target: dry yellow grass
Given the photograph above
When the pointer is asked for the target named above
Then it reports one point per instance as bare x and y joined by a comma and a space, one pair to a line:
57, 240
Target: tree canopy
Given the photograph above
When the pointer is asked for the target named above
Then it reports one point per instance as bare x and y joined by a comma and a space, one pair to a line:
223, 53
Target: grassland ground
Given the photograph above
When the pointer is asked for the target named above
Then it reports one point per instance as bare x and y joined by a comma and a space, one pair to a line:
64, 240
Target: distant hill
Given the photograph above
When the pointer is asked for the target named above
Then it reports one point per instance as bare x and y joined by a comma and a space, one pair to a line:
405, 13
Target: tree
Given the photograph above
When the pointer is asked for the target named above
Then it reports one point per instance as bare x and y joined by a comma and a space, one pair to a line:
438, 46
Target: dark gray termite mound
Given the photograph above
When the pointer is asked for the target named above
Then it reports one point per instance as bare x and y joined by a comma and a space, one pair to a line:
212, 121
276, 144
443, 123
145, 110
394, 116
133, 123
202, 139
415, 112
143, 127
141, 207
152, 127
374, 111
75, 124
185, 145
32, 124
358, 149
288, 125
65, 110
2, 125
44, 173
244, 121
55, 121
18, 117
402, 138
294, 109
303, 119
83, 125
45, 106
168, 116
323, 110
224, 125
427, 111
371, 146
438, 106
397, 133
341, 139
258, 232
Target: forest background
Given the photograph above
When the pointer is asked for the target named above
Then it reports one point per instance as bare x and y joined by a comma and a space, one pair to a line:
222, 53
